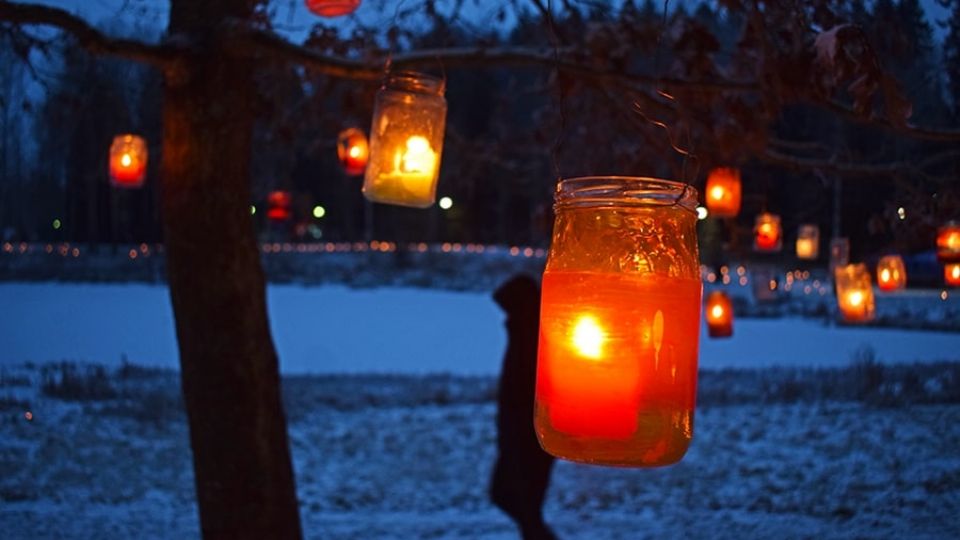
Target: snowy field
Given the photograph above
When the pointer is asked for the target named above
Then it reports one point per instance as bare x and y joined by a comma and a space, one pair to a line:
335, 329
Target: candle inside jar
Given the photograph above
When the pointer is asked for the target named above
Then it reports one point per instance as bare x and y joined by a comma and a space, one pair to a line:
413, 175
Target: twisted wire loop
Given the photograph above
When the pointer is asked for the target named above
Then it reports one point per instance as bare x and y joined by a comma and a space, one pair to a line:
558, 142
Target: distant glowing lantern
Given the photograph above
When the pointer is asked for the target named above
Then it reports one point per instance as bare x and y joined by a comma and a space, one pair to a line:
767, 233
278, 206
332, 8
723, 192
808, 242
951, 274
128, 161
619, 326
948, 242
353, 151
719, 315
406, 141
854, 293
891, 273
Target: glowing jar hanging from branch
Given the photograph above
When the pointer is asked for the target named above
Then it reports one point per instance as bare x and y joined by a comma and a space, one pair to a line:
278, 206
332, 8
891, 273
951, 274
723, 192
854, 293
128, 161
406, 141
948, 242
619, 323
767, 233
353, 151
719, 315
808, 242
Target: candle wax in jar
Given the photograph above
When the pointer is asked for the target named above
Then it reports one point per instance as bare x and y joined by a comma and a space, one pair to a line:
617, 366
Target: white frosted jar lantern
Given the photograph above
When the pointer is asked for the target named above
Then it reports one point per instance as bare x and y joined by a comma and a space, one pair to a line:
406, 141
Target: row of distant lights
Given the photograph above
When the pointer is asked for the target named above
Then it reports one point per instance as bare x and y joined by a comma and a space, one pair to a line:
66, 250
319, 211
792, 277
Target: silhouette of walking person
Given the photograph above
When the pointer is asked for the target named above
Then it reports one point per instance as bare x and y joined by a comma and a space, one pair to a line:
522, 471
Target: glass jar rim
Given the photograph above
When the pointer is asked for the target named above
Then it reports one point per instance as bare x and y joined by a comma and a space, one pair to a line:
635, 191
414, 81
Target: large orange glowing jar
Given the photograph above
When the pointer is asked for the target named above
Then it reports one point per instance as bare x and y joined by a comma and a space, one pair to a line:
767, 233
891, 273
719, 315
854, 293
723, 192
128, 161
619, 323
406, 141
948, 242
353, 151
951, 274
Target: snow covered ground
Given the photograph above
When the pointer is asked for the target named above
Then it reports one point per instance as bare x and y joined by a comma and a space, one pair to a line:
335, 329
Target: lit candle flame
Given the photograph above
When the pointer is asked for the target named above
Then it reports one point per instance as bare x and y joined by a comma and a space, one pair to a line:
354, 152
588, 337
955, 271
885, 275
716, 311
126, 160
855, 298
717, 192
418, 157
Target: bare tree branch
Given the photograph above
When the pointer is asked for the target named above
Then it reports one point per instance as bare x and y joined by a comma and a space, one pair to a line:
857, 169
914, 132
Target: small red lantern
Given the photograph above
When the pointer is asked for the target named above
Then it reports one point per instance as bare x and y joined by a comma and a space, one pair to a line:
278, 206
948, 242
767, 233
891, 273
128, 161
723, 192
332, 8
951, 274
353, 151
719, 315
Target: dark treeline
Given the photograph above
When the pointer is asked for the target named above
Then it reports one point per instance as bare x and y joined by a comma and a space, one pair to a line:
511, 129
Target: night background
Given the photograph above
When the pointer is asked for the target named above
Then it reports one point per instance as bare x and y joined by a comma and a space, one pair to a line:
235, 342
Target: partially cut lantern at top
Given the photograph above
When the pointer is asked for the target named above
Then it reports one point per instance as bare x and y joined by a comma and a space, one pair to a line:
128, 161
353, 151
723, 192
719, 315
619, 323
948, 242
808, 242
854, 293
332, 8
951, 274
767, 233
891, 273
406, 141
278, 206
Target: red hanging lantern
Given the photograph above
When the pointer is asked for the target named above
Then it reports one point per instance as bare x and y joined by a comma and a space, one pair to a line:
719, 315
278, 206
767, 233
951, 274
723, 192
128, 161
332, 8
891, 273
353, 151
948, 242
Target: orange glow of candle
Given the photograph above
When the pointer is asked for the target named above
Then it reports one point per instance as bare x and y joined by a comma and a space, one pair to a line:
719, 315
617, 361
278, 206
891, 273
948, 242
854, 293
767, 234
808, 242
353, 151
951, 274
723, 192
128, 161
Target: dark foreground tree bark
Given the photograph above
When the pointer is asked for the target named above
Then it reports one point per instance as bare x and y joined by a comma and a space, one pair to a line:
229, 369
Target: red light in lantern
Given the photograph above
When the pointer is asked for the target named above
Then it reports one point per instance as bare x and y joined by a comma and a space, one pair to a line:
719, 315
723, 192
891, 273
353, 151
951, 274
278, 206
767, 234
128, 161
948, 242
332, 8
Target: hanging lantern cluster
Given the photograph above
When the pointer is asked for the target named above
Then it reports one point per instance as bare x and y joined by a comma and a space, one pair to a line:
332, 8
854, 293
891, 273
619, 326
951, 274
279, 206
406, 140
353, 151
719, 315
128, 161
948, 242
808, 242
723, 192
767, 233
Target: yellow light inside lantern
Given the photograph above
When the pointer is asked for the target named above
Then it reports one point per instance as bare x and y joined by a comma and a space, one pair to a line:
854, 293
355, 152
588, 337
885, 275
855, 298
126, 160
717, 193
716, 312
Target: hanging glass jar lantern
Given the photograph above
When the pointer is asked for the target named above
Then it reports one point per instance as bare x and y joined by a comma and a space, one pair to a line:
723, 192
951, 274
808, 242
719, 315
948, 242
619, 323
353, 151
128, 161
767, 233
406, 141
854, 293
891, 273
278, 206
332, 8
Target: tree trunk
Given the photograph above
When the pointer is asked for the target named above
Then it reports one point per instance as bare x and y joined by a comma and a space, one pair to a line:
231, 383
